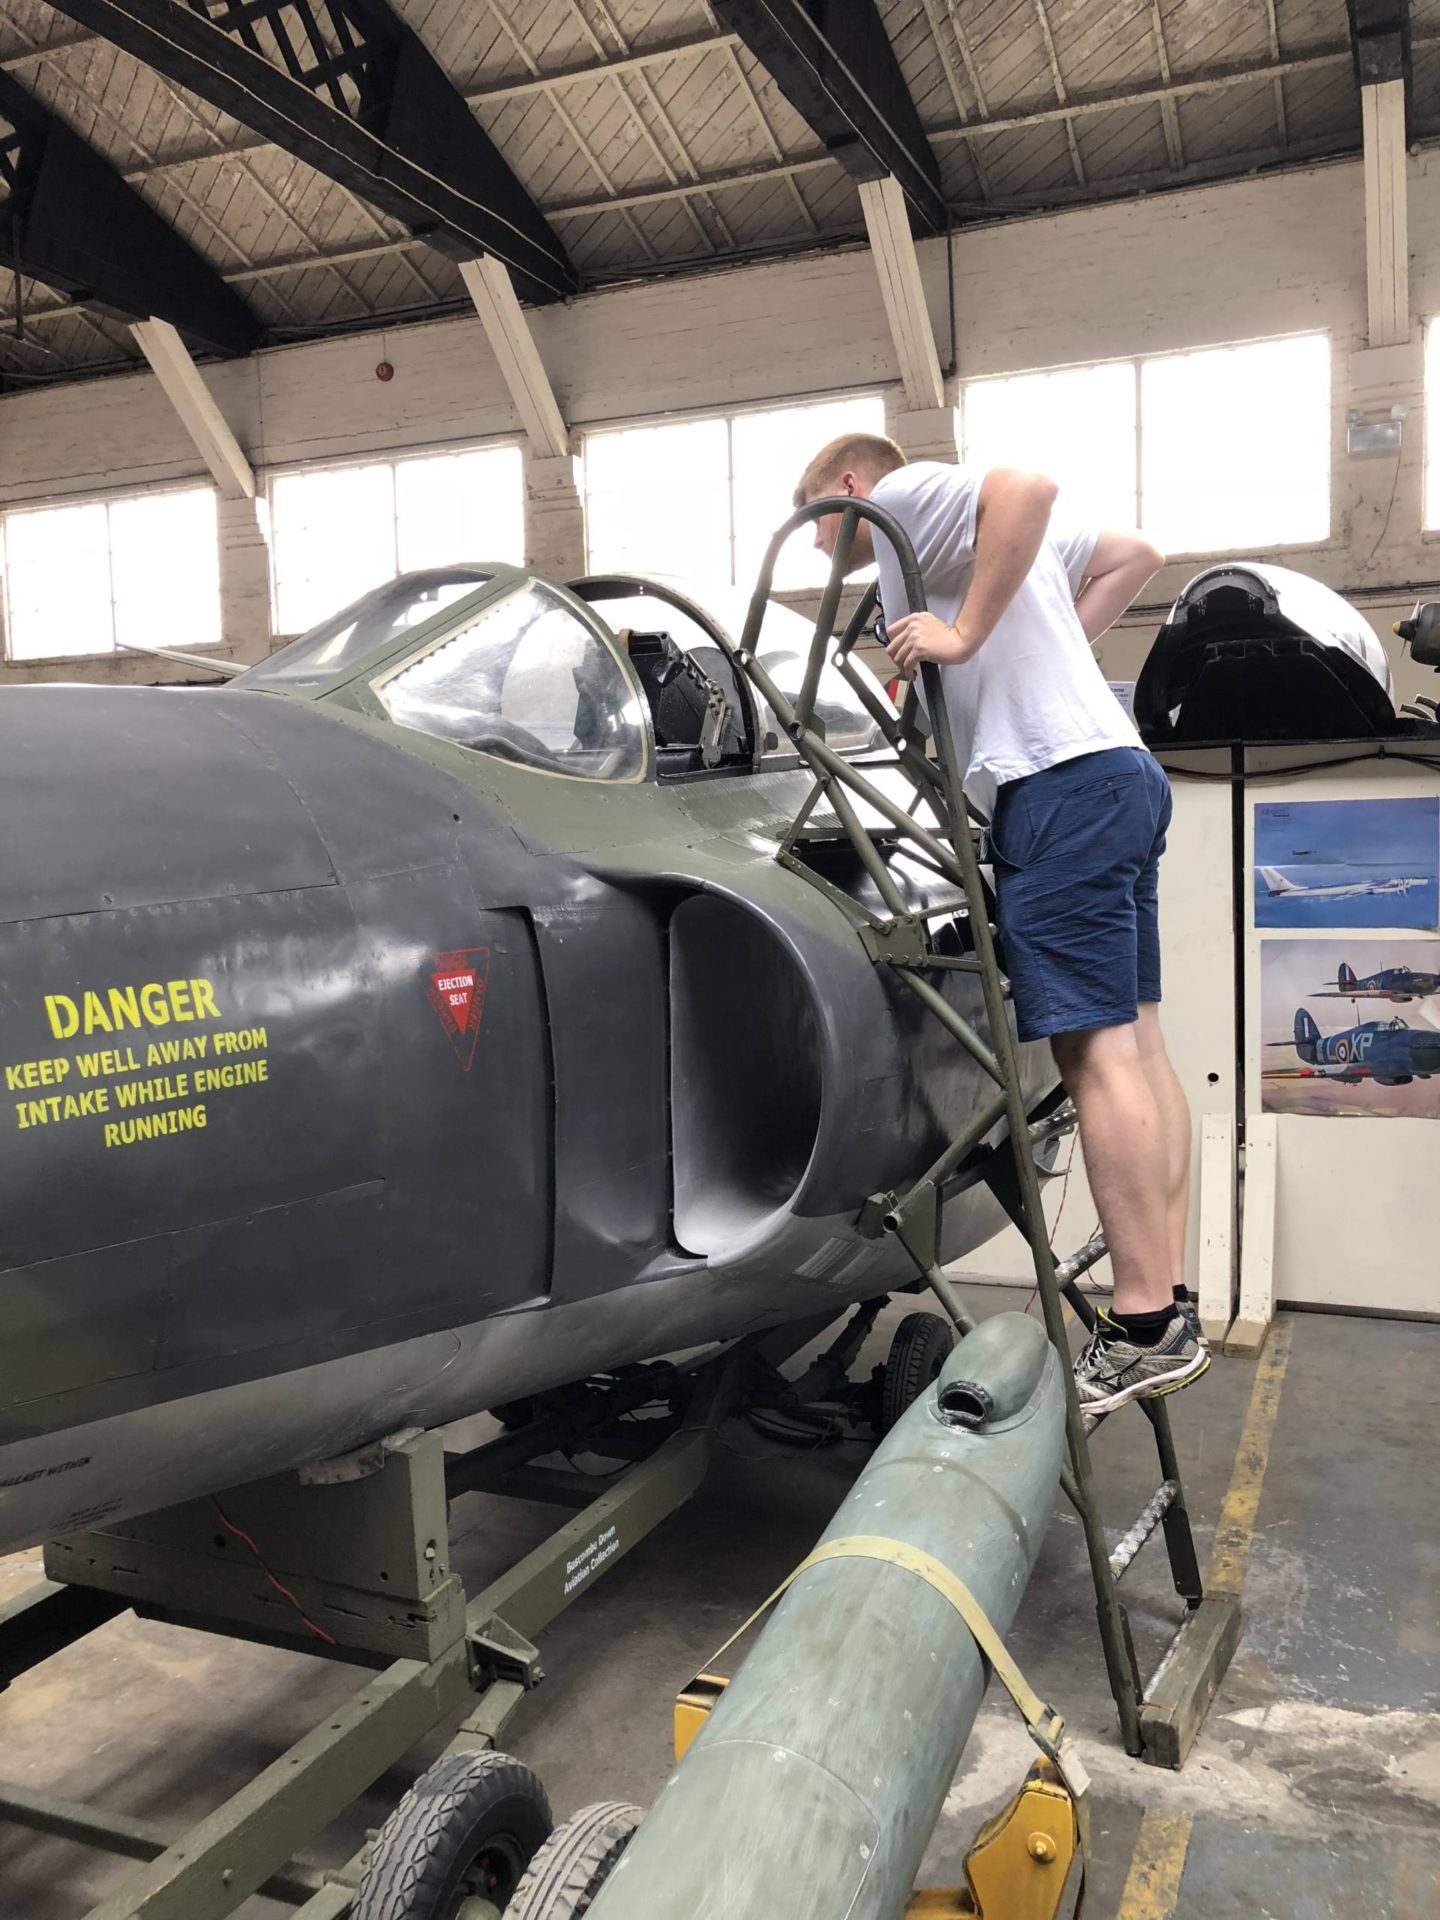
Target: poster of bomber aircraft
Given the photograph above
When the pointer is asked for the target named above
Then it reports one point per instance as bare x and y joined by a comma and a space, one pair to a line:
1347, 863
1334, 1043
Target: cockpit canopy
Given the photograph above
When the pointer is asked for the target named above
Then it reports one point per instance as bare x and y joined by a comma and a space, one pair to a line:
609, 679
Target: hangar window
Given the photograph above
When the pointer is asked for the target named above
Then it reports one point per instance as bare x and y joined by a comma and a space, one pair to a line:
88, 578
527, 680
1236, 446
699, 499
1076, 423
338, 531
1167, 442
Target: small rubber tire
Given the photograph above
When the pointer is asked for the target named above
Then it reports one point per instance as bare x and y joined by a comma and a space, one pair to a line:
923, 1343
470, 1825
575, 1862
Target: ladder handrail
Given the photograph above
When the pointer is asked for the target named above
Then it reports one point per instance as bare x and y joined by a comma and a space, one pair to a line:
901, 939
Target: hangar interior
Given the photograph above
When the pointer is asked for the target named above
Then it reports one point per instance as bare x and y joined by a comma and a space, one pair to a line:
300, 298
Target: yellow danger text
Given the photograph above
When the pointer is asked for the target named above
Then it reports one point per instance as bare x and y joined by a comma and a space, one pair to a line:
158, 1003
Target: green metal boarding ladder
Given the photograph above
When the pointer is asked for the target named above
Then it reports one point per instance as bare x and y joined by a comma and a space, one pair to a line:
1158, 1719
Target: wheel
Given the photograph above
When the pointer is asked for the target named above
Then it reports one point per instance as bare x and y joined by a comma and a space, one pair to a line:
465, 1833
574, 1863
921, 1346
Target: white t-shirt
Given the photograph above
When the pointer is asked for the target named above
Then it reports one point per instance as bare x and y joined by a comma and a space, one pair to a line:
1034, 694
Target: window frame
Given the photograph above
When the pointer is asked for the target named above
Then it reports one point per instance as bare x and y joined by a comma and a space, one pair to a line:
689, 416
375, 457
1332, 541
106, 497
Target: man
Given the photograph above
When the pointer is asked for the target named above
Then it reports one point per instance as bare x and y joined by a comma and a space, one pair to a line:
1078, 813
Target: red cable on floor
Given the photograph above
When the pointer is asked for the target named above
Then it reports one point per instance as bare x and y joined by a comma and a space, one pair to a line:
240, 1534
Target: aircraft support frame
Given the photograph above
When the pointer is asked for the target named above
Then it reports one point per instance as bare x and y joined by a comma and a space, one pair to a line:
1159, 1719
370, 1533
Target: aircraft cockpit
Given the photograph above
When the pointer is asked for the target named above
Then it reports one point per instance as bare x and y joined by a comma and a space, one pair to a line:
608, 679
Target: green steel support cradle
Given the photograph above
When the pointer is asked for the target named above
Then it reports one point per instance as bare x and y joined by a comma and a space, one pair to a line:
924, 814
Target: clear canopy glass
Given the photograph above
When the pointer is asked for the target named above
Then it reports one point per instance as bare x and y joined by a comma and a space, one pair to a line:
525, 679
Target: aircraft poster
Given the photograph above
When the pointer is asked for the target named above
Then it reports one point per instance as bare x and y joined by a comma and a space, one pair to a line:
1351, 1028
1347, 863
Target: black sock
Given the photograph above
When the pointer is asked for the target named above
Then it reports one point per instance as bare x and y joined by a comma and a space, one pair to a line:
1144, 1329
1182, 1295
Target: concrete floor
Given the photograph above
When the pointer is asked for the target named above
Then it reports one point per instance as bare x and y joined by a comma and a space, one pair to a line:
1314, 1791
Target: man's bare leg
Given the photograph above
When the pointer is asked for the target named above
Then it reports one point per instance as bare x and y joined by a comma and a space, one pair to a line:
1175, 1124
1123, 1131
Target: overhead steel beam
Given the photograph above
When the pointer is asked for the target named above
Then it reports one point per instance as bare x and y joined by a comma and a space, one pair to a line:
356, 95
833, 61
67, 219
1380, 42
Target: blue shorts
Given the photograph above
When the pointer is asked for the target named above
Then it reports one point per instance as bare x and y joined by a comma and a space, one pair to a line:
1077, 856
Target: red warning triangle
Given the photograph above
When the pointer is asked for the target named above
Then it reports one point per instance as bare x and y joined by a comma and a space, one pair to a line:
455, 987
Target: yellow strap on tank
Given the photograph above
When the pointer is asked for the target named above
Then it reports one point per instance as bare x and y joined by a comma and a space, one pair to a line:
896, 1553
1047, 1728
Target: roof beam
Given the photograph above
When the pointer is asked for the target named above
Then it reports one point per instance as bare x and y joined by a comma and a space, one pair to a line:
974, 131
833, 61
903, 292
377, 115
69, 220
1043, 20
1380, 41
199, 415
513, 345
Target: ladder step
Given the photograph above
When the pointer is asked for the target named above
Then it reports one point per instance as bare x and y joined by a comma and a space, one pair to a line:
1146, 1521
1062, 1121
1093, 1251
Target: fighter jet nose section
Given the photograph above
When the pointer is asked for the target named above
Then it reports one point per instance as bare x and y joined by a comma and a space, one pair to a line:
745, 1071
1256, 653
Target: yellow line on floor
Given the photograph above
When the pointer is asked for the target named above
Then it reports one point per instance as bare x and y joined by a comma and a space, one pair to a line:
1236, 1529
1153, 1884
1158, 1860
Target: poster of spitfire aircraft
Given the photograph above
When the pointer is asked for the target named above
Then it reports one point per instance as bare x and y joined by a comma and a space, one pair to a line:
1347, 863
1351, 1027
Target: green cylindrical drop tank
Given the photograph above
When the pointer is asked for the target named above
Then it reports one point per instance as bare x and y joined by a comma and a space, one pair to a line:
814, 1785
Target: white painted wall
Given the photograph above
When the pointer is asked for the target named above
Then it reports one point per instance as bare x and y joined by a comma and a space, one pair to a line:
1357, 1203
1202, 267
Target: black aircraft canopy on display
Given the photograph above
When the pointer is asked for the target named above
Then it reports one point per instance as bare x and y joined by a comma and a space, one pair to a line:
422, 1020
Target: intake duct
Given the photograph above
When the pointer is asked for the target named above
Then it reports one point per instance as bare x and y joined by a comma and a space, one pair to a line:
745, 1073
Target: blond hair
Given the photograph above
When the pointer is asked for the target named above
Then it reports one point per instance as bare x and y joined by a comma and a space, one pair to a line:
871, 452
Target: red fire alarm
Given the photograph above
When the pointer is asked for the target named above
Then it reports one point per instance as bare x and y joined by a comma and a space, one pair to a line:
384, 371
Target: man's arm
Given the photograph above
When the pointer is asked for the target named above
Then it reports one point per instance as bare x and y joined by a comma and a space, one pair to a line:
1118, 570
1012, 512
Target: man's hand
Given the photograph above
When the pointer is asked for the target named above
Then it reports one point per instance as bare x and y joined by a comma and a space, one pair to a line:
920, 636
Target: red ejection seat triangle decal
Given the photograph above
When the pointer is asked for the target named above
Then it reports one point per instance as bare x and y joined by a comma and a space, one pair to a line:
455, 987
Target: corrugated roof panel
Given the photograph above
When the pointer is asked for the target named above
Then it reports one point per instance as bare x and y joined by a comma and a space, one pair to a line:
1009, 52
1202, 36
650, 126
1307, 23
1321, 104
1129, 140
1027, 162
1237, 121
1104, 49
